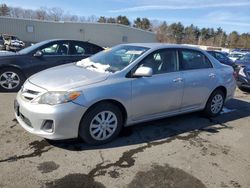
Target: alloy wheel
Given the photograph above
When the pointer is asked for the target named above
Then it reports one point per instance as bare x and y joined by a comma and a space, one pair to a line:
103, 125
9, 80
217, 103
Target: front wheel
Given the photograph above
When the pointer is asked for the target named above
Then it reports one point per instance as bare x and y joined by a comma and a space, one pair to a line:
215, 103
101, 124
11, 80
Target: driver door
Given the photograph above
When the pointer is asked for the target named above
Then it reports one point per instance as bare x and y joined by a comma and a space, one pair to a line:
53, 54
162, 93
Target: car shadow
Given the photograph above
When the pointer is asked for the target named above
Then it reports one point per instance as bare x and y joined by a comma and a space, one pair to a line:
166, 128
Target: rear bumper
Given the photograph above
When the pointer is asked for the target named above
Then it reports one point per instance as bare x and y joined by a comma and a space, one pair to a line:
65, 117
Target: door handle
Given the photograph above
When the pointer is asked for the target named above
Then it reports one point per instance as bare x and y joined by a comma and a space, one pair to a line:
211, 75
178, 80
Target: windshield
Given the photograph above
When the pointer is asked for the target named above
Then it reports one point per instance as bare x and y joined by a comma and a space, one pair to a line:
114, 59
32, 47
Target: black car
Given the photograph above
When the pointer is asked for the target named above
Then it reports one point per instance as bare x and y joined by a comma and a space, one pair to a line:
243, 78
221, 57
15, 68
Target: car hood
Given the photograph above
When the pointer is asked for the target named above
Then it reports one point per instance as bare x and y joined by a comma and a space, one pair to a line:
66, 77
7, 54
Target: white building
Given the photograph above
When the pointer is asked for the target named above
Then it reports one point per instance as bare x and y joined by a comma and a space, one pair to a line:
103, 34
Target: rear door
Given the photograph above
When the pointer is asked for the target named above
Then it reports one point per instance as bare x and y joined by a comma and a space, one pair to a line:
199, 78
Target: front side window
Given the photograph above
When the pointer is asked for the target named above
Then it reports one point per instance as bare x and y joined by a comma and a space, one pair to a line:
161, 61
192, 59
56, 49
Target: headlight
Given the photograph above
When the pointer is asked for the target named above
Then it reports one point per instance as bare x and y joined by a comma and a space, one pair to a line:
58, 97
241, 72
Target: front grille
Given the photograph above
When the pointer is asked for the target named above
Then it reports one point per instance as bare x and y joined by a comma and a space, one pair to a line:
31, 91
30, 94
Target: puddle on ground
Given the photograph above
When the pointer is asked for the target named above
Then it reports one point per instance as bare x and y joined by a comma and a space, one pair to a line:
165, 176
47, 166
76, 181
39, 147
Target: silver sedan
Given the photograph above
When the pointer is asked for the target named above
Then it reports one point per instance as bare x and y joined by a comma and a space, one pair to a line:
127, 84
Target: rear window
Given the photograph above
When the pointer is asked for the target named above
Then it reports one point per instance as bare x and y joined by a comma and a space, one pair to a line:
192, 59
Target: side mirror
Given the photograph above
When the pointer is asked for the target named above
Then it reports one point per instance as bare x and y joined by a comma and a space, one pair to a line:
38, 53
143, 72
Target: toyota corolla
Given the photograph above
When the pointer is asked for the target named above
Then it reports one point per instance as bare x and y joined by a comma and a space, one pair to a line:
96, 97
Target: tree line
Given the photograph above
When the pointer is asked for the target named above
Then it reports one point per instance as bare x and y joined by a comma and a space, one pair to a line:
169, 33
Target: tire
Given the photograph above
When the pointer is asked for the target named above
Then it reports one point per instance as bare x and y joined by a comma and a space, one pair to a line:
11, 80
244, 89
211, 109
92, 126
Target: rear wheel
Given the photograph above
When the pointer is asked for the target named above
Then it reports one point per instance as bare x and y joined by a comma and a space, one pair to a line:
101, 124
215, 103
11, 80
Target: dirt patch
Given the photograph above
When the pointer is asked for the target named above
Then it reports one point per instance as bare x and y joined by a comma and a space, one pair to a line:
76, 181
47, 167
165, 176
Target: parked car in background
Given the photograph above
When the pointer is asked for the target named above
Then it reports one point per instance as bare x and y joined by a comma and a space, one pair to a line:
243, 78
235, 56
2, 47
221, 57
15, 68
127, 84
243, 61
11, 43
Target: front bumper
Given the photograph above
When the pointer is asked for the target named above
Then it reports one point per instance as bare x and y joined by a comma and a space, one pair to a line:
65, 117
243, 82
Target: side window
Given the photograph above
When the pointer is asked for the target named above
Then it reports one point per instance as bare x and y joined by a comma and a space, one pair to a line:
78, 49
161, 61
56, 49
191, 59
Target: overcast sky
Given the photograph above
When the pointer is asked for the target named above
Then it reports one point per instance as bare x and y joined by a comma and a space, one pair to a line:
228, 14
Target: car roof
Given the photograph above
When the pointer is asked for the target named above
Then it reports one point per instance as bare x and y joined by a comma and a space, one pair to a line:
54, 40
163, 45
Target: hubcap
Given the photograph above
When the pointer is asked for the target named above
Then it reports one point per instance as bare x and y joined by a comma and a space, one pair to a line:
103, 125
217, 103
9, 80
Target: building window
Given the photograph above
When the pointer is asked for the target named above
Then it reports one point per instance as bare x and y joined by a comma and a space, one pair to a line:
30, 29
124, 38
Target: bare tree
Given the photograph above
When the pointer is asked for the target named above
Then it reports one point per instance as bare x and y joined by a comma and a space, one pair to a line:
55, 14
16, 12
92, 19
42, 13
